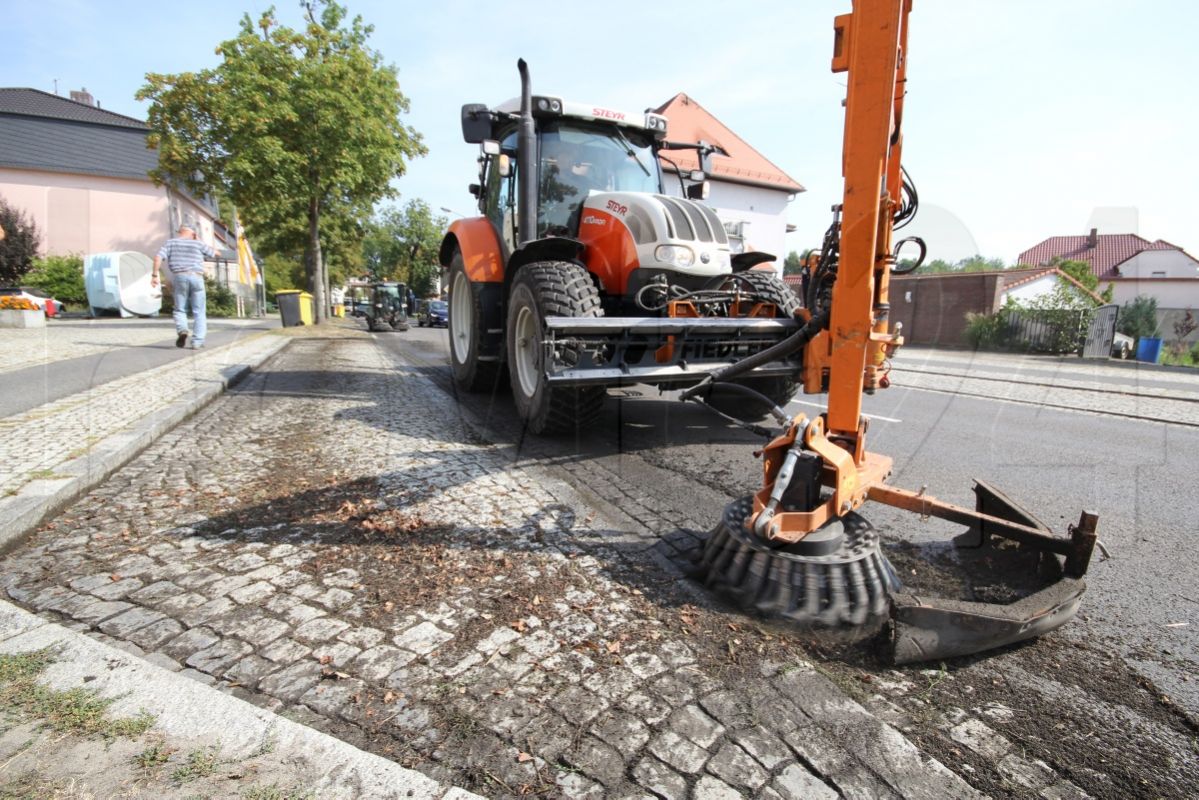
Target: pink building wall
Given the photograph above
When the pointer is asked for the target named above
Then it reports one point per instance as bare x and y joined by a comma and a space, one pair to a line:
94, 214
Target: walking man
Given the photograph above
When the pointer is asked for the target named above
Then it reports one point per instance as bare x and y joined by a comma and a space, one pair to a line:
185, 256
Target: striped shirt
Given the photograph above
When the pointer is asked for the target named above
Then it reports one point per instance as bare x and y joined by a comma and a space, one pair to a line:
185, 255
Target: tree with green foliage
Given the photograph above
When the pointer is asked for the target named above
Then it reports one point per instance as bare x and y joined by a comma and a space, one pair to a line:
976, 263
61, 277
402, 244
18, 244
292, 125
1138, 317
793, 264
282, 272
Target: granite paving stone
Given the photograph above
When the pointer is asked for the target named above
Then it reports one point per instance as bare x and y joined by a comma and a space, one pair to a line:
737, 767
660, 779
155, 635
217, 658
709, 788
796, 783
679, 753
692, 723
125, 624
421, 639
319, 630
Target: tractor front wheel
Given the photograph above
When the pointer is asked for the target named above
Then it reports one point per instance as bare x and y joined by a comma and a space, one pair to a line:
548, 289
766, 287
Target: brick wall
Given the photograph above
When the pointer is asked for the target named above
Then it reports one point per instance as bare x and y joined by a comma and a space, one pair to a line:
933, 308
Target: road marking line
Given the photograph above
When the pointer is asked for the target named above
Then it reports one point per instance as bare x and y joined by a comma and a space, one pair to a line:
821, 405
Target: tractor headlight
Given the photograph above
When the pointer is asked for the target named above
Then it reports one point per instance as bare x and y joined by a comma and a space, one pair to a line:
676, 254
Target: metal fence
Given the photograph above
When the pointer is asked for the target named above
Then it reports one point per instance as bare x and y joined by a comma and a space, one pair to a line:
1049, 331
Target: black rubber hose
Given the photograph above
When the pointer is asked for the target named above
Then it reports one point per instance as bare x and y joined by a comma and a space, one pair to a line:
792, 343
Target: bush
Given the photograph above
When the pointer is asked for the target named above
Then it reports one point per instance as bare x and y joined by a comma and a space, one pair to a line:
18, 248
981, 330
1138, 317
61, 277
221, 301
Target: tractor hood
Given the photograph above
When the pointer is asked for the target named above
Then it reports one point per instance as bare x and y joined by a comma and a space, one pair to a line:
628, 229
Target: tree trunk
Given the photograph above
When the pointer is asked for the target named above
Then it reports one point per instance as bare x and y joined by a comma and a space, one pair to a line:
315, 263
328, 286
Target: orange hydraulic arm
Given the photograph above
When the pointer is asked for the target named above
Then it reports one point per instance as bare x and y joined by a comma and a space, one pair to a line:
870, 46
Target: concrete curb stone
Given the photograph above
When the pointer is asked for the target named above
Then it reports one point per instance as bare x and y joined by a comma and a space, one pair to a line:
192, 715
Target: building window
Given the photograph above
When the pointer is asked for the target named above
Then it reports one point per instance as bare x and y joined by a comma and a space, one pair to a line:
736, 232
1157, 275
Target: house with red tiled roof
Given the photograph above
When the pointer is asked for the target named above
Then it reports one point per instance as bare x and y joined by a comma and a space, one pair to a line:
1132, 264
748, 192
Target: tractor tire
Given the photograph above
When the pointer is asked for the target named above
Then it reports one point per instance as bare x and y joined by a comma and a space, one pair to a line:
548, 289
780, 389
466, 331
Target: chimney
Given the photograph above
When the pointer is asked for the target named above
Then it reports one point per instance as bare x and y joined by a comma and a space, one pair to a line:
1093, 238
83, 96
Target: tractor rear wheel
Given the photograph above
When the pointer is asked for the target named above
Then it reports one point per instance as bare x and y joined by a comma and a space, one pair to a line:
548, 289
466, 328
779, 388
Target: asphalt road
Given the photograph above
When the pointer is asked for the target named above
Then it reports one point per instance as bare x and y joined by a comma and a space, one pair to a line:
54, 380
1142, 603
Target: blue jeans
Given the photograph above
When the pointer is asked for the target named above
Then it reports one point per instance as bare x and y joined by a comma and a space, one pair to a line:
188, 288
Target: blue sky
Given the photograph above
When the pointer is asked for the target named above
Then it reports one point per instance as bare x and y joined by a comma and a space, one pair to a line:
1022, 116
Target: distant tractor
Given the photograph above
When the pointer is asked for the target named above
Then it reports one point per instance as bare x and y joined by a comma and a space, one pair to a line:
581, 273
387, 308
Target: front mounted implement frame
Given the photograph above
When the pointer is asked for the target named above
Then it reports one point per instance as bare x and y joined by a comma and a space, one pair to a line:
613, 350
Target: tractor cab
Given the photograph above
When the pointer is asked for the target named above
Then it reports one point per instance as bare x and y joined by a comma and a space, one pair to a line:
578, 151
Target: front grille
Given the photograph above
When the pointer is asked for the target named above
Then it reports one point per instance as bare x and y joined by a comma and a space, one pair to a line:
692, 221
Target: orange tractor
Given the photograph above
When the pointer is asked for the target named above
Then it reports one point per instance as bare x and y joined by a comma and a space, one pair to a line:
581, 273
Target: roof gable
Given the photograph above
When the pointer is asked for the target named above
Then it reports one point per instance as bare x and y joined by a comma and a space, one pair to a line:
36, 103
691, 122
1108, 251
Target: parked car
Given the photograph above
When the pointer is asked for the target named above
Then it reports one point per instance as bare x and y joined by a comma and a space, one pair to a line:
45, 302
1123, 346
433, 313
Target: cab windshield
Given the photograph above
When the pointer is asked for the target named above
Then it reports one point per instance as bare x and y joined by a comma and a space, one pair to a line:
580, 158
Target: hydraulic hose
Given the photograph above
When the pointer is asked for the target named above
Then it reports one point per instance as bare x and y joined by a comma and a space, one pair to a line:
792, 343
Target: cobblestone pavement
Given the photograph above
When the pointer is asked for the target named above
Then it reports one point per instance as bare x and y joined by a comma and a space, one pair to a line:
329, 542
71, 338
35, 444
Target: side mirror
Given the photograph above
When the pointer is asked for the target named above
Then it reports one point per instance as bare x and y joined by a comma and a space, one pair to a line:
699, 191
705, 161
504, 165
476, 123
475, 189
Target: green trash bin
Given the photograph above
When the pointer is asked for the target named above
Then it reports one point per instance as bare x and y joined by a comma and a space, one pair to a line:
295, 307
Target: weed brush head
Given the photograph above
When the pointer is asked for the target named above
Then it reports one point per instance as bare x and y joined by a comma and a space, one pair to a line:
836, 577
